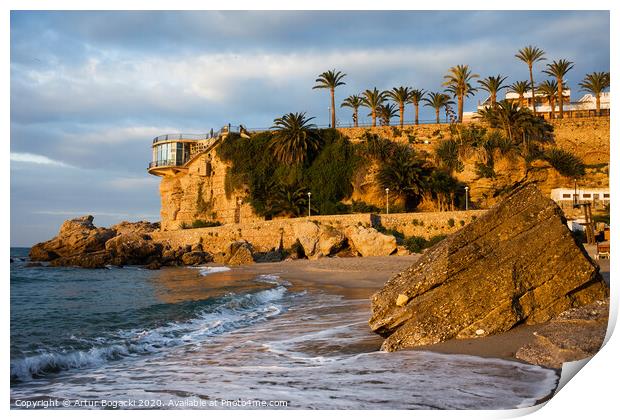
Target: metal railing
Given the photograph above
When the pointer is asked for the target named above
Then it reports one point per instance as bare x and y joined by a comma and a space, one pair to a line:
158, 163
195, 137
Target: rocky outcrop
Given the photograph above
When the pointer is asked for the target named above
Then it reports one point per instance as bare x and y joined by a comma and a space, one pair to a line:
80, 243
236, 253
574, 335
76, 237
141, 227
370, 242
518, 263
307, 234
132, 248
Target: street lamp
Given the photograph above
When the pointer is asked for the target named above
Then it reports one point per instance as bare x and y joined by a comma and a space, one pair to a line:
329, 116
466, 198
387, 201
309, 194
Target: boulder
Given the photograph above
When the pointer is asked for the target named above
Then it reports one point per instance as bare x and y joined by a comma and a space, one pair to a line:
196, 258
132, 248
242, 256
518, 263
370, 242
229, 255
76, 237
331, 241
307, 233
575, 334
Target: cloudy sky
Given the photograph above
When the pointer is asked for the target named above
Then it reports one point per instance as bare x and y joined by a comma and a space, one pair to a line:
89, 90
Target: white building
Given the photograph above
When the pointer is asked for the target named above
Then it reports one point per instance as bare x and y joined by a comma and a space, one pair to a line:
566, 196
586, 106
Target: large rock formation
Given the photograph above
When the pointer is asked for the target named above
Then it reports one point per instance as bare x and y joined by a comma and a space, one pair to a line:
80, 243
76, 237
369, 242
518, 263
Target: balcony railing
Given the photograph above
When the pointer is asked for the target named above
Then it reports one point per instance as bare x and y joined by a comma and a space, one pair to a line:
214, 134
158, 163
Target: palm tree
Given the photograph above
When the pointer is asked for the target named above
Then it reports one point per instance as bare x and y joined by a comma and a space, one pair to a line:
371, 99
531, 55
558, 69
595, 83
448, 156
549, 89
414, 98
386, 112
294, 139
354, 102
493, 84
437, 100
405, 175
520, 88
330, 80
457, 82
400, 95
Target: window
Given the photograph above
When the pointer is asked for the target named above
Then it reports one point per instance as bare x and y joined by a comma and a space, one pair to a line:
587, 195
565, 195
596, 196
605, 195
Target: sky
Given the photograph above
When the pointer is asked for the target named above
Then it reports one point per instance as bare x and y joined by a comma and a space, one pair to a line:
90, 90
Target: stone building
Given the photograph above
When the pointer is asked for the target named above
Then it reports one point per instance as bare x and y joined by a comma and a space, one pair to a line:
193, 186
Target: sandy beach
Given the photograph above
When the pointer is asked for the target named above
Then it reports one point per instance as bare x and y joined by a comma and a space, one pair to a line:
359, 278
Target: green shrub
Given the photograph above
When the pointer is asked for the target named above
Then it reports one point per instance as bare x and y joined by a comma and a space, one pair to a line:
205, 223
451, 222
417, 244
462, 223
359, 206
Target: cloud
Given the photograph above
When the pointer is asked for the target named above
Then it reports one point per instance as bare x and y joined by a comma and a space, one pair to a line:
36, 159
132, 183
89, 90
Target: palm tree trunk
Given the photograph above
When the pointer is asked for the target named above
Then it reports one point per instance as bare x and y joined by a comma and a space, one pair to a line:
437, 114
333, 108
493, 99
460, 108
598, 104
561, 97
374, 118
356, 117
521, 98
533, 89
417, 109
552, 110
402, 115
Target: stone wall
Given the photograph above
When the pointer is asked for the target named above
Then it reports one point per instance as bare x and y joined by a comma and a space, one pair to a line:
267, 235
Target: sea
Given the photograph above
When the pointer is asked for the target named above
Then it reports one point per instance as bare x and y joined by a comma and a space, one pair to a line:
223, 338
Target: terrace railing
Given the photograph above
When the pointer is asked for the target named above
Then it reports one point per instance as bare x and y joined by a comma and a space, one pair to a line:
212, 135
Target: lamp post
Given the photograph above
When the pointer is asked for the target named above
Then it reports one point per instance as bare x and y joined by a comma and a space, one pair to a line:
329, 116
309, 194
466, 198
387, 201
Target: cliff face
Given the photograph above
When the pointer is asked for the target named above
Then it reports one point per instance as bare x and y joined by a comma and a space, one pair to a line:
587, 138
200, 194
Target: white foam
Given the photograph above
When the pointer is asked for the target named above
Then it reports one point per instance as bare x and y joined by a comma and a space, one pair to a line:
205, 271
